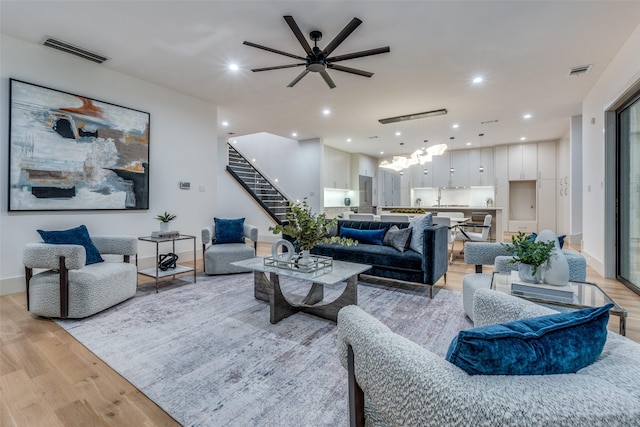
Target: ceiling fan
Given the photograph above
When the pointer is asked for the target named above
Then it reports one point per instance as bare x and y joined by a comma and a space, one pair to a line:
317, 60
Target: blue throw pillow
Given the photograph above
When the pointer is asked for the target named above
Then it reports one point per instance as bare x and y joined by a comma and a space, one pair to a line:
371, 237
229, 231
533, 236
555, 344
74, 236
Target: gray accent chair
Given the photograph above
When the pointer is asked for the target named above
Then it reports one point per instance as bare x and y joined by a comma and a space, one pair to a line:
395, 382
217, 259
70, 289
485, 253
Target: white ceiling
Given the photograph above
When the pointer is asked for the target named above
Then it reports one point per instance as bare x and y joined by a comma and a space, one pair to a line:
523, 49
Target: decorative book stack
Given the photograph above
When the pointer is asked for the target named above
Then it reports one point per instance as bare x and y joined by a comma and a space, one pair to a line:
164, 234
543, 291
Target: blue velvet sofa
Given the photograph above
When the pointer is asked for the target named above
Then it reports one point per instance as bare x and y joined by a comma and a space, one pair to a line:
387, 262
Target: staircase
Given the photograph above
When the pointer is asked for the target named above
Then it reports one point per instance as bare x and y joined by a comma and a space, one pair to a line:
272, 200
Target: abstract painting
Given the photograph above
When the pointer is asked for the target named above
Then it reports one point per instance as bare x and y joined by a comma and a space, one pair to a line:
70, 152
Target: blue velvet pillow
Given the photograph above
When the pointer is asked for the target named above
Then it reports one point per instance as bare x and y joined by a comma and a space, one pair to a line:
229, 231
560, 238
371, 237
555, 344
74, 236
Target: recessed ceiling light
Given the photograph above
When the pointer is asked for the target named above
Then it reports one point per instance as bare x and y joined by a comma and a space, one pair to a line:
477, 80
276, 179
523, 138
526, 116
455, 126
398, 133
253, 160
294, 134
225, 123
468, 143
326, 111
234, 67
382, 152
348, 139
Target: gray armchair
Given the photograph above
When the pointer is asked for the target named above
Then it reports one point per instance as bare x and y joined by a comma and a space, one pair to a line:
68, 287
395, 382
217, 259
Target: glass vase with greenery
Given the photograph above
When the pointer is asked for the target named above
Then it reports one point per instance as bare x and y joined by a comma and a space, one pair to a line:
526, 250
309, 229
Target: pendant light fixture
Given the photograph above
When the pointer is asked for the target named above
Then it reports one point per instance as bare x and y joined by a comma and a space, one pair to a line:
481, 168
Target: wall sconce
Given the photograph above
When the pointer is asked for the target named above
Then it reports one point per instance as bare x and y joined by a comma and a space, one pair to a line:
426, 172
481, 169
452, 170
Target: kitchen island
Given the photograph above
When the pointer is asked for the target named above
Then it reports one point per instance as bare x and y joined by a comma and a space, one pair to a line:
496, 234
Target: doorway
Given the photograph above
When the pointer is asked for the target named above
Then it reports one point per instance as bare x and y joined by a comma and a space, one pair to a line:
628, 193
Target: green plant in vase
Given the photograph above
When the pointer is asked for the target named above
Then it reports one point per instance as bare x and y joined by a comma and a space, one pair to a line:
165, 219
309, 229
527, 251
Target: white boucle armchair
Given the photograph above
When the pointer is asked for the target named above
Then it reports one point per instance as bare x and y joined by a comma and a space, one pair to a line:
395, 382
67, 288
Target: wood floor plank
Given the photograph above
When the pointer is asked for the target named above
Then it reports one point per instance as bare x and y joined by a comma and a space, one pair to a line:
49, 379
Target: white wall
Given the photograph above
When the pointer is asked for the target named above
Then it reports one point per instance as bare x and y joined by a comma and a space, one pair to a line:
575, 181
182, 148
296, 165
620, 75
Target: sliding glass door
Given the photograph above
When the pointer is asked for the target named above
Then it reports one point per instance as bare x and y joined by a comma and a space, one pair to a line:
628, 194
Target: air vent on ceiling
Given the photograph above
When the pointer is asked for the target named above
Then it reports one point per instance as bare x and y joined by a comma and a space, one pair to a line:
74, 50
576, 71
488, 122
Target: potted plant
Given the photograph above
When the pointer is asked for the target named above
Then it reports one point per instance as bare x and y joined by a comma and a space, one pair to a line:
530, 254
165, 219
308, 229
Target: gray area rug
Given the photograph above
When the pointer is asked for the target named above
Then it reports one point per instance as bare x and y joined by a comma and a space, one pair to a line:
207, 354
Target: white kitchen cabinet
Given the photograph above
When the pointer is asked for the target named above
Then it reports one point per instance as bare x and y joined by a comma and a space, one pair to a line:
441, 166
501, 165
547, 205
337, 169
460, 167
501, 200
481, 158
523, 162
418, 177
547, 160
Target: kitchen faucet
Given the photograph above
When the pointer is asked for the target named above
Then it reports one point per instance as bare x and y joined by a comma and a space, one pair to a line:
439, 196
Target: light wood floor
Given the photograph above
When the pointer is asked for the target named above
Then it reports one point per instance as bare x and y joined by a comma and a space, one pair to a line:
49, 379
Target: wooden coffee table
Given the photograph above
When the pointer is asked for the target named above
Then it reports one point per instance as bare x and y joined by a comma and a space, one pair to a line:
267, 288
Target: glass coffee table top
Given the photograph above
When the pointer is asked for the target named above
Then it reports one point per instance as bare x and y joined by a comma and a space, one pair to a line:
584, 295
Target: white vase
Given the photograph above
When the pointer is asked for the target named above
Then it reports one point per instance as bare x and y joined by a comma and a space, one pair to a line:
525, 271
164, 226
556, 272
305, 259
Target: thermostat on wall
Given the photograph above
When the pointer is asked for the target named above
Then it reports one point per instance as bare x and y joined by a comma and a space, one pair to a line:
185, 185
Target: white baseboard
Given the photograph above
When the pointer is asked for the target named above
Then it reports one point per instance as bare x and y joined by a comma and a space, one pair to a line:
13, 285
594, 263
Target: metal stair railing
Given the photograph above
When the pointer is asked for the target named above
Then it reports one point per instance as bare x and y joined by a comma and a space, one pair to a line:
272, 200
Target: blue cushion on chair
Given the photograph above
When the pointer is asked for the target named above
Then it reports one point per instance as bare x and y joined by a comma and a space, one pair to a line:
555, 344
371, 237
74, 236
229, 231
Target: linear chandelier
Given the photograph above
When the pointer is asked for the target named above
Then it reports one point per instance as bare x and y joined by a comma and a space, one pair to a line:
419, 156
414, 116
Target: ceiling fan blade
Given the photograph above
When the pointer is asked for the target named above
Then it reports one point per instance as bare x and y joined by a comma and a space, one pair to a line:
351, 26
327, 79
350, 70
297, 79
277, 67
296, 31
359, 54
290, 55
